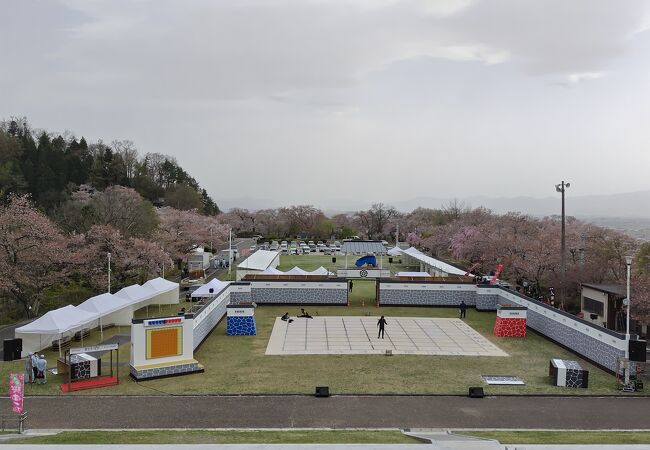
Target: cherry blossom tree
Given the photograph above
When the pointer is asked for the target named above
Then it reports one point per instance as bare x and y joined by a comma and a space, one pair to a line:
35, 254
180, 232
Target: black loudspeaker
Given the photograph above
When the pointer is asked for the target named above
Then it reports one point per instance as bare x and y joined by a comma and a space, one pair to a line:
390, 260
333, 259
322, 391
637, 351
476, 392
11, 349
211, 290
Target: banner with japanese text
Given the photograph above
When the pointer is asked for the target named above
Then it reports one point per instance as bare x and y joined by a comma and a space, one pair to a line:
16, 381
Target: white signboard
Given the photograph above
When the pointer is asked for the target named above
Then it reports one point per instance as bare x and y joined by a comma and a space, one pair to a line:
240, 312
511, 313
94, 348
362, 273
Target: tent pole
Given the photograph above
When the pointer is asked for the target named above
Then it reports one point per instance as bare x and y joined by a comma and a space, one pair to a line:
60, 336
101, 329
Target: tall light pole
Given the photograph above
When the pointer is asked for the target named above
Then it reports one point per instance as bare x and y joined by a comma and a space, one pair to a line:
628, 263
210, 238
562, 187
109, 273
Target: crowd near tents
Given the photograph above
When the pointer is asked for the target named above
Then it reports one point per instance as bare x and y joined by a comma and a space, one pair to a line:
99, 311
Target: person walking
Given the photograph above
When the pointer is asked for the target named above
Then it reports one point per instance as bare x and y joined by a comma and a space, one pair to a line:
29, 370
41, 365
463, 309
351, 285
381, 323
34, 358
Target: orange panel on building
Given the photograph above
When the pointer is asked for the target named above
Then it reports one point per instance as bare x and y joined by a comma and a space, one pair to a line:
164, 342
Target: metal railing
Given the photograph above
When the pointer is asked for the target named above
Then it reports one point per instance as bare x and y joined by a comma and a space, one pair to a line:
10, 422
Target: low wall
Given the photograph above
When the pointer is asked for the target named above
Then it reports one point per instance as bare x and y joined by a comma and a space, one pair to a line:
210, 315
592, 342
418, 293
240, 293
282, 292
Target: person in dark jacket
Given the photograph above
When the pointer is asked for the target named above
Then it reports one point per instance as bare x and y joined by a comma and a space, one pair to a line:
381, 323
463, 309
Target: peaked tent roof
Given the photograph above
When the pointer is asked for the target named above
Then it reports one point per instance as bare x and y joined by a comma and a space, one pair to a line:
104, 304
297, 271
214, 284
320, 271
395, 251
428, 260
160, 285
260, 260
59, 321
136, 293
271, 271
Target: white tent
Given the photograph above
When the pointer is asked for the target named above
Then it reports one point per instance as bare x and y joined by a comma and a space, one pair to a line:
320, 271
413, 274
434, 266
53, 326
167, 292
204, 290
297, 271
395, 251
111, 309
271, 271
138, 296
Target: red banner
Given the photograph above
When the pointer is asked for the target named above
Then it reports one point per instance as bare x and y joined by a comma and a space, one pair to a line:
496, 274
16, 383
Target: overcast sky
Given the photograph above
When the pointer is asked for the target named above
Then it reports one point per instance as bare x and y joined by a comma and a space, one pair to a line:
380, 100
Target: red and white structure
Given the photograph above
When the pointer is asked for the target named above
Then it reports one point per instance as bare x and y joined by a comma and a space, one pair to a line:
511, 321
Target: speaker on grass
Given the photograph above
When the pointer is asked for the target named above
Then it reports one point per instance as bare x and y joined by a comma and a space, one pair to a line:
11, 349
390, 259
211, 290
637, 351
476, 392
333, 259
322, 391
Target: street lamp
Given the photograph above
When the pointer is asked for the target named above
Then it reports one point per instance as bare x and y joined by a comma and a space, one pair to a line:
562, 187
109, 273
628, 263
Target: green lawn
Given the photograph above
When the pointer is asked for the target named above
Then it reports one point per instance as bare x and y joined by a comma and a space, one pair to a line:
563, 437
237, 365
222, 437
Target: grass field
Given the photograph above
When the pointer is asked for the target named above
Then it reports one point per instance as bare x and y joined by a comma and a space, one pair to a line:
222, 437
563, 437
238, 365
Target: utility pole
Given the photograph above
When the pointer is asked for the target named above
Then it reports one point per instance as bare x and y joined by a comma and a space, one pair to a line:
109, 273
562, 187
229, 252
628, 263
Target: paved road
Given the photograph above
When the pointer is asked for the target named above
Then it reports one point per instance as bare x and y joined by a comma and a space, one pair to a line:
336, 411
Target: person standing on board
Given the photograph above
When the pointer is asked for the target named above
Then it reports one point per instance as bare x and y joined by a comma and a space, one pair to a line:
381, 323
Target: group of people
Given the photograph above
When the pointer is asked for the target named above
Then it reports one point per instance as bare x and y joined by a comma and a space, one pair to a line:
36, 369
304, 314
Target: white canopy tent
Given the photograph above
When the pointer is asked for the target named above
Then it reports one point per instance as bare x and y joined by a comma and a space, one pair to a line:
167, 292
395, 251
320, 271
297, 271
272, 271
110, 309
138, 296
53, 326
432, 265
204, 290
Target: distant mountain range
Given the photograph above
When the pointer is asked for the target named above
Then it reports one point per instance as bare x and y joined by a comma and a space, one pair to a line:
626, 205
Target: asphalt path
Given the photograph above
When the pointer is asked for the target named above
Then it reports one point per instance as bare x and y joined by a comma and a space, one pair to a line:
85, 411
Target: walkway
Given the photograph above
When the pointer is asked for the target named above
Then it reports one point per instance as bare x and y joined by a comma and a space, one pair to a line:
85, 411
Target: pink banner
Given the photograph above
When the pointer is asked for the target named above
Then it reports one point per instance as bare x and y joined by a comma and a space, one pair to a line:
16, 381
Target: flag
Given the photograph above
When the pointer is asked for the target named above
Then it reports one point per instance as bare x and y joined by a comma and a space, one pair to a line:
16, 383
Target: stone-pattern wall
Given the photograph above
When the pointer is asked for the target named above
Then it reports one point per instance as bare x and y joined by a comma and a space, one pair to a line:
299, 296
586, 346
415, 297
487, 302
239, 297
509, 327
241, 326
207, 323
157, 372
